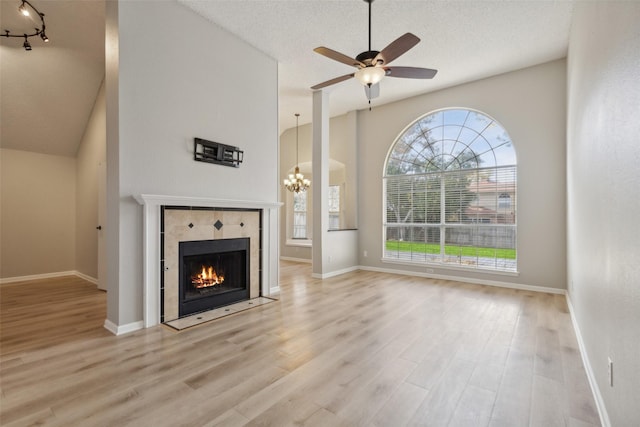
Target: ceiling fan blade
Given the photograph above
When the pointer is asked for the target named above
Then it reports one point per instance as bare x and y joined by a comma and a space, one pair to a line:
396, 48
332, 81
372, 91
410, 72
337, 56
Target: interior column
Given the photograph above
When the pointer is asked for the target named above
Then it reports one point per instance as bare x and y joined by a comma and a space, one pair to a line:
320, 184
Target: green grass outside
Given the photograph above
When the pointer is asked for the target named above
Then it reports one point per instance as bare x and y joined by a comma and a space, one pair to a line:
454, 250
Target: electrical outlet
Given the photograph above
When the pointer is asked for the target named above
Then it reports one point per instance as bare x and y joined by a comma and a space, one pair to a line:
366, 254
610, 372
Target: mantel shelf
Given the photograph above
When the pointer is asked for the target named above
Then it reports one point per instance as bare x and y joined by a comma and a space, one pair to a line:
166, 200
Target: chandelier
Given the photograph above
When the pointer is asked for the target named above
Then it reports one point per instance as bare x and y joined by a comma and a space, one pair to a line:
296, 181
24, 10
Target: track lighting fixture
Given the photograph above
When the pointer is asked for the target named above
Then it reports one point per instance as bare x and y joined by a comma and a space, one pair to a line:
24, 10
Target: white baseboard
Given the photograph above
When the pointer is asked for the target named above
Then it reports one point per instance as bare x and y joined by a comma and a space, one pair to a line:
274, 290
499, 284
336, 273
287, 258
87, 278
122, 329
36, 277
49, 276
467, 280
602, 410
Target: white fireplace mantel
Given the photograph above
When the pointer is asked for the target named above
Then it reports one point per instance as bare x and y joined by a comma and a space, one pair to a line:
151, 243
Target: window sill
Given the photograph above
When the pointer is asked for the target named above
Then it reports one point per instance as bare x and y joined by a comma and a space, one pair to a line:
305, 243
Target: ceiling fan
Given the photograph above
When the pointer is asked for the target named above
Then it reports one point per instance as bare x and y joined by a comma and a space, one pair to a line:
373, 65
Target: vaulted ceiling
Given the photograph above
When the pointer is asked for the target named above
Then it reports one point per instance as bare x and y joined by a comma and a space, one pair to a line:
464, 40
48, 93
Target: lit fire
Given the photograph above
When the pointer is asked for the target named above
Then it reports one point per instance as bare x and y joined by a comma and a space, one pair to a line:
207, 278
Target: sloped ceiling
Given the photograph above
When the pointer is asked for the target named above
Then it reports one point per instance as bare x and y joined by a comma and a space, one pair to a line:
49, 92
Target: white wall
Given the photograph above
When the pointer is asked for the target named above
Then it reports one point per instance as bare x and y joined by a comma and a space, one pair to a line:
91, 152
603, 198
37, 213
531, 105
179, 77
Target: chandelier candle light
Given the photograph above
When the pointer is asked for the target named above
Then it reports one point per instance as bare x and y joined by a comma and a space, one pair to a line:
24, 10
296, 181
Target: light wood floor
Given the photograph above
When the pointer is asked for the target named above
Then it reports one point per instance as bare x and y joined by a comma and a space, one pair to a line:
364, 348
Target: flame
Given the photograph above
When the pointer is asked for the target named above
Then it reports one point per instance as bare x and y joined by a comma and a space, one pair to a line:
207, 278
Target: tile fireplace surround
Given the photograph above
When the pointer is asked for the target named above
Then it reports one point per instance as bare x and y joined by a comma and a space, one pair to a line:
186, 224
238, 211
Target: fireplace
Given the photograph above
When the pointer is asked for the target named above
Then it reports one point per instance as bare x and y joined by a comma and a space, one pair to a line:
210, 257
212, 274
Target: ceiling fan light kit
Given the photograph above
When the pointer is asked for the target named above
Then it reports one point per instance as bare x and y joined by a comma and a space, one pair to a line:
373, 65
24, 10
370, 75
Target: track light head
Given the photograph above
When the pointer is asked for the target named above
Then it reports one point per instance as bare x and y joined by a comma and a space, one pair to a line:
23, 9
44, 37
26, 45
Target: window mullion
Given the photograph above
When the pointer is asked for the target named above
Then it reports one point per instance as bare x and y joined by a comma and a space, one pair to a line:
443, 230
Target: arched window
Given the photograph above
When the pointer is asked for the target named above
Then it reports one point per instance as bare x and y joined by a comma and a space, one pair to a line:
450, 193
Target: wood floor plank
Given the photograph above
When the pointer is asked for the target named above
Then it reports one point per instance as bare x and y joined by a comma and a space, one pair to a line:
442, 399
363, 348
400, 407
546, 403
474, 408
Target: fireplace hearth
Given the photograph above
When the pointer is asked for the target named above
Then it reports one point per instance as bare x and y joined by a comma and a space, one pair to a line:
213, 273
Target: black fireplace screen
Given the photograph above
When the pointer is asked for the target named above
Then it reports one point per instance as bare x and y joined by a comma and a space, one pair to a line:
213, 273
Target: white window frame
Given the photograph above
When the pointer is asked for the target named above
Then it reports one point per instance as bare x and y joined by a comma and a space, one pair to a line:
422, 238
304, 241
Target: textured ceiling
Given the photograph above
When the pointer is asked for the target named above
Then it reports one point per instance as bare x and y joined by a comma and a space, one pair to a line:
48, 93
463, 40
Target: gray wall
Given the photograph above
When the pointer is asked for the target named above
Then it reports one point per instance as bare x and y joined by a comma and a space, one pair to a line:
173, 76
531, 105
91, 152
37, 213
603, 197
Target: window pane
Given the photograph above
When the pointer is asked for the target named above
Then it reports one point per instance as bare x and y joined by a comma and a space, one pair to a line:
453, 170
300, 215
300, 202
334, 198
334, 221
484, 247
413, 243
413, 199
